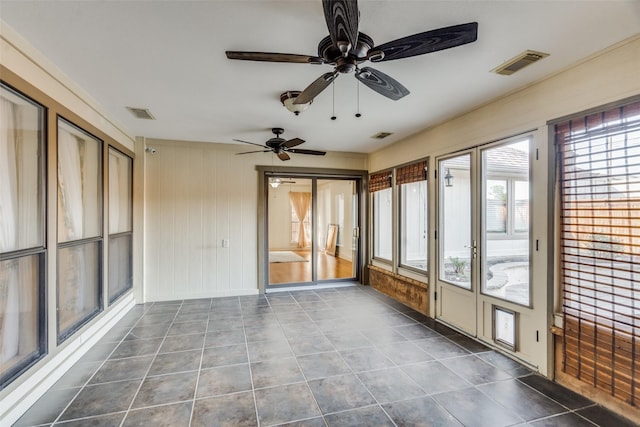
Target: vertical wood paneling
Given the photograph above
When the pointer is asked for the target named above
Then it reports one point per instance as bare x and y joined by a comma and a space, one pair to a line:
196, 195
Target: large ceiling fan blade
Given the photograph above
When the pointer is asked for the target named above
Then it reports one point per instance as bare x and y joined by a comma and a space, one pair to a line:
274, 57
342, 22
314, 89
252, 143
283, 156
251, 152
382, 83
292, 142
429, 41
303, 151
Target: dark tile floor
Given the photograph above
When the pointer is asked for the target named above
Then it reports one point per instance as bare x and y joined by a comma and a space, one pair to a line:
332, 357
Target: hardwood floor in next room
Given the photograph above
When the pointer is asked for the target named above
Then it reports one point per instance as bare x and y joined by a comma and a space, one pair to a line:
329, 267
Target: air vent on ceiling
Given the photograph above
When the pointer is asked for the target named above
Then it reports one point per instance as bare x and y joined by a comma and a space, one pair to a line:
517, 63
141, 113
381, 135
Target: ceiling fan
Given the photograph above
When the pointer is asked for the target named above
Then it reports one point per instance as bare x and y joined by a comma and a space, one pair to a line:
346, 48
281, 146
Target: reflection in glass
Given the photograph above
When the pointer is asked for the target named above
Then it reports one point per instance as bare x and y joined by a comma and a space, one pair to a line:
413, 225
382, 224
120, 265
120, 200
78, 292
22, 326
505, 236
19, 338
455, 222
79, 184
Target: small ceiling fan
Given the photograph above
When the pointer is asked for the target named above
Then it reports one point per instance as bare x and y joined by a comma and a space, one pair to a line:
346, 48
281, 146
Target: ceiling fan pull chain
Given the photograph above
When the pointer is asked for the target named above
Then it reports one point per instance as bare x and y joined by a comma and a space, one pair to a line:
333, 88
358, 115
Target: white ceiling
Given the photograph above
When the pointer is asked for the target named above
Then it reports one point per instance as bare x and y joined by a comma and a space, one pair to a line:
168, 56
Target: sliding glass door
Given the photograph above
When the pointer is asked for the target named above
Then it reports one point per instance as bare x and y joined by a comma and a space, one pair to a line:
313, 230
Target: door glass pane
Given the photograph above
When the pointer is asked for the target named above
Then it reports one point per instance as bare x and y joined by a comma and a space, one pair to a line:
413, 225
382, 224
505, 235
334, 243
290, 225
455, 220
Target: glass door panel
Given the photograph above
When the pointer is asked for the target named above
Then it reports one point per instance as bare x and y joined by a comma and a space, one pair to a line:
456, 249
337, 231
456, 299
290, 230
505, 212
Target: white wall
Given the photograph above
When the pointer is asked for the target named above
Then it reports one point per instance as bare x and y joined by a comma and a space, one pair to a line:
195, 196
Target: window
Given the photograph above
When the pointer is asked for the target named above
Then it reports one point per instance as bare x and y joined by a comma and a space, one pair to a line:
599, 156
22, 247
507, 205
505, 235
79, 228
120, 224
380, 187
412, 183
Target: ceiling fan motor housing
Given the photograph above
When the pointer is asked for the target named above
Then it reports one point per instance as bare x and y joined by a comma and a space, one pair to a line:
345, 64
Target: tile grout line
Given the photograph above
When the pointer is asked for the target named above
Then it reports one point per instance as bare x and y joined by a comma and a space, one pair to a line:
204, 341
144, 377
86, 383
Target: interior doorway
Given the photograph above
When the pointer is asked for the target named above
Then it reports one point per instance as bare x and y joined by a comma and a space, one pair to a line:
312, 229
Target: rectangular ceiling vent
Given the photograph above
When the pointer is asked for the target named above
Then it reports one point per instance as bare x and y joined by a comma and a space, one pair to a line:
141, 113
526, 58
381, 135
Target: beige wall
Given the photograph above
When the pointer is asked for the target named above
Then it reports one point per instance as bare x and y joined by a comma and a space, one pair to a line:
607, 77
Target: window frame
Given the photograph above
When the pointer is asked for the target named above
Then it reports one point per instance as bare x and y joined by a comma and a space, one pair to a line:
117, 235
63, 335
378, 182
400, 223
39, 251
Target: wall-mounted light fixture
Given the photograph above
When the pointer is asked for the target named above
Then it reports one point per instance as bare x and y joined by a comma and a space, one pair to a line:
448, 178
151, 150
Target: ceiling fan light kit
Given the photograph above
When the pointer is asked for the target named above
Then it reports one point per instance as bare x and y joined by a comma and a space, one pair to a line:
288, 99
346, 49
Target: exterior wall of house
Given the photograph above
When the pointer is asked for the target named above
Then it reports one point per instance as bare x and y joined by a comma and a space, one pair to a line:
196, 195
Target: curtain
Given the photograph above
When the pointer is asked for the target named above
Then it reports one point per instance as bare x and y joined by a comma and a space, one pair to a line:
9, 278
301, 203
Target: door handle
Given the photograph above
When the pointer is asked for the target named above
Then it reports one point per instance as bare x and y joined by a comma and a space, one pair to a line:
474, 249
